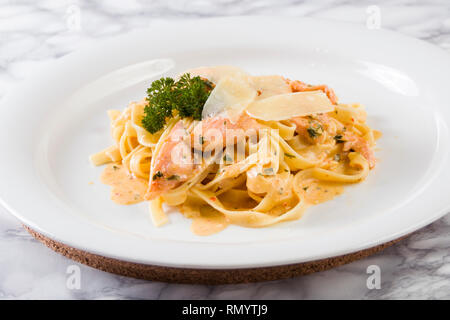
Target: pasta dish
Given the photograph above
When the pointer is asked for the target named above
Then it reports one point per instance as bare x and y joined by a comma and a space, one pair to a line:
227, 147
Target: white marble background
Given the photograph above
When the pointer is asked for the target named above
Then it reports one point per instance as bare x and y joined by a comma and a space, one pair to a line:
34, 32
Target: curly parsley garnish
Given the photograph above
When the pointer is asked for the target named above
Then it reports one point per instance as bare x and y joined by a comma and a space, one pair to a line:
186, 96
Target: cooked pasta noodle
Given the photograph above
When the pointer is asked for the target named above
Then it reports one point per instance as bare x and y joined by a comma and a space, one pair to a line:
271, 176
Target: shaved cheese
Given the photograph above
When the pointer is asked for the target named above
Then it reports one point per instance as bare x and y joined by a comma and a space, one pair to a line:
263, 97
287, 106
217, 73
269, 86
231, 95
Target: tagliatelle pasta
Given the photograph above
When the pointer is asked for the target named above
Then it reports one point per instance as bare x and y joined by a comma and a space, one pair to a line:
239, 169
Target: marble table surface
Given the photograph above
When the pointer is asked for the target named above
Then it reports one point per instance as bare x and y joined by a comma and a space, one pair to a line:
35, 32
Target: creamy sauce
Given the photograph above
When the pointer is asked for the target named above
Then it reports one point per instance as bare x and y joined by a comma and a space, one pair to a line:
317, 191
208, 222
125, 188
377, 134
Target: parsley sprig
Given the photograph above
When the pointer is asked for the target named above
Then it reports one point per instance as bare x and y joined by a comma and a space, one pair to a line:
186, 96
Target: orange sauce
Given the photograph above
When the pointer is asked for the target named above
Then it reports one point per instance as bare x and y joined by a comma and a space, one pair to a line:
208, 222
317, 191
125, 188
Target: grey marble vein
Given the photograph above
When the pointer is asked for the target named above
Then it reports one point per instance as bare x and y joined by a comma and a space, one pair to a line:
33, 33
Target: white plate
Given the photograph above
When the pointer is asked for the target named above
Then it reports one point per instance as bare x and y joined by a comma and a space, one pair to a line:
55, 120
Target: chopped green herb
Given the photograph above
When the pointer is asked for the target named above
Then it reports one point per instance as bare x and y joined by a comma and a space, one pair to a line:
227, 158
289, 155
115, 168
305, 188
201, 140
186, 96
157, 175
315, 131
173, 177
268, 171
338, 138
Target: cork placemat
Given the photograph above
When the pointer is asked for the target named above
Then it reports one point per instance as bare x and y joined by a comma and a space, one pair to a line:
203, 276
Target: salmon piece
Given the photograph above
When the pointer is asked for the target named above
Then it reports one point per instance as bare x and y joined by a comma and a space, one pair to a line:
221, 127
304, 124
175, 162
298, 86
355, 142
308, 126
173, 165
311, 128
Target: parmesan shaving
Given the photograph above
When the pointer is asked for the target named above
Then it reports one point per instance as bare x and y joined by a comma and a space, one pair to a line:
268, 86
287, 106
231, 95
